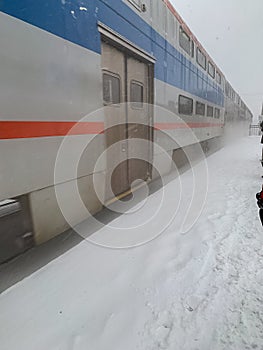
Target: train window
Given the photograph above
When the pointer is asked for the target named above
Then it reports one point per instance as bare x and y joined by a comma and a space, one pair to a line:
185, 41
217, 113
136, 94
227, 89
218, 78
193, 49
211, 70
185, 105
111, 89
171, 27
200, 108
163, 18
210, 111
136, 3
201, 59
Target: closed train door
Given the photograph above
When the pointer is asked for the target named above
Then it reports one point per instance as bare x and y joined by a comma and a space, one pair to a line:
113, 76
127, 83
139, 119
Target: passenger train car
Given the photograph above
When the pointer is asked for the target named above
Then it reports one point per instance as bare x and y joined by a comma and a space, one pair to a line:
62, 60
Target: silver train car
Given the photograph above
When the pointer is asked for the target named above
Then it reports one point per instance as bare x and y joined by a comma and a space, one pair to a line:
62, 60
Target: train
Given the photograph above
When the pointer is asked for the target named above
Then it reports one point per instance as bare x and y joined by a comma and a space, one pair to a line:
63, 60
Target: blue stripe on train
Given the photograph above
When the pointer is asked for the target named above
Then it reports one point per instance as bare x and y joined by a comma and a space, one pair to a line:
77, 22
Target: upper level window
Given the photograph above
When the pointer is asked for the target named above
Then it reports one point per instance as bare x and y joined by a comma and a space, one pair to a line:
185, 105
136, 94
111, 89
171, 26
227, 89
201, 59
193, 49
136, 3
185, 41
211, 69
200, 108
218, 77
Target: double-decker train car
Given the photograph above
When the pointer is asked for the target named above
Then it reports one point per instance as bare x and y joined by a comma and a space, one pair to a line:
62, 60
235, 108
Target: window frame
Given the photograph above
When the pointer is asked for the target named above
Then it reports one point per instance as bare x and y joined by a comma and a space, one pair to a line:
114, 75
218, 78
182, 31
212, 74
132, 103
200, 103
138, 5
192, 49
217, 113
212, 108
198, 51
179, 105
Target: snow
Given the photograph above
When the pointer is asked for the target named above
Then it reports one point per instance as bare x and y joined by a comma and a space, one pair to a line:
187, 290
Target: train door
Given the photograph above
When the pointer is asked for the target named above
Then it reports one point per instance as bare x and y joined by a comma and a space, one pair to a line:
113, 76
126, 93
139, 119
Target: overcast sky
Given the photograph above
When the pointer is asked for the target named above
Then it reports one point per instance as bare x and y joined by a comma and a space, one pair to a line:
232, 33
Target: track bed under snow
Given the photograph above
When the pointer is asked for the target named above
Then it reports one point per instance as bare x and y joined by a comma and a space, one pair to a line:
199, 290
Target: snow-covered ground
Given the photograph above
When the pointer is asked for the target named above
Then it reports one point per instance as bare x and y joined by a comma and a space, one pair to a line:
201, 289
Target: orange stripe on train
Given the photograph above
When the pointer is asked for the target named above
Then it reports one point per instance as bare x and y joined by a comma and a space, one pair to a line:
35, 129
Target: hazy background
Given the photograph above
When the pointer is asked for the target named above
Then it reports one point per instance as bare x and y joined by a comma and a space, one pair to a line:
232, 33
